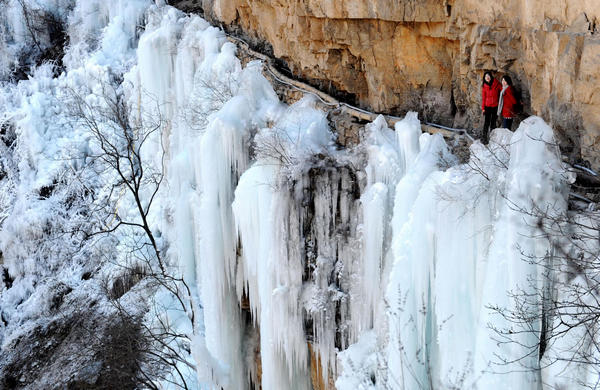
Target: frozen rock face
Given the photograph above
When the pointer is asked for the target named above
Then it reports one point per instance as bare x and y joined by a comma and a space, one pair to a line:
429, 55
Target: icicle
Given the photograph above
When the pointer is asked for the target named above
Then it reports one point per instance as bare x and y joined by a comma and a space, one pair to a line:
384, 169
207, 149
408, 131
274, 280
411, 348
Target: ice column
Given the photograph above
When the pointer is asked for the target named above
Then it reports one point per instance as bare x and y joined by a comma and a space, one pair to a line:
535, 181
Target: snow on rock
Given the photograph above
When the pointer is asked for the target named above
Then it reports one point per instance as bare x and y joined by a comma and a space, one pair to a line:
359, 364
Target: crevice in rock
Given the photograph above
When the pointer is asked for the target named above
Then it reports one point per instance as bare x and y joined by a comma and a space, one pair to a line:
7, 279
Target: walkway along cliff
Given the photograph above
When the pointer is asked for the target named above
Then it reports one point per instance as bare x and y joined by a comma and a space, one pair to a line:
428, 55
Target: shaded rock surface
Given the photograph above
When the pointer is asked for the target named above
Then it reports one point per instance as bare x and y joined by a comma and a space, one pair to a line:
82, 342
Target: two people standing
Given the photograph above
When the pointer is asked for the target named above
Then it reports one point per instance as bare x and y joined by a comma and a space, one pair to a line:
496, 100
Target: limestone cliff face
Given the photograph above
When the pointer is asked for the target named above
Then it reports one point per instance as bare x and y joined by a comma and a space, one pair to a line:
429, 55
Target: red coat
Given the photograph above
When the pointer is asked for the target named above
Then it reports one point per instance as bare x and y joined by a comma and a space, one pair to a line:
490, 94
508, 103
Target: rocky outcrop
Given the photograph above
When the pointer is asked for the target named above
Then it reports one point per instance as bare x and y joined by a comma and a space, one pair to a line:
77, 340
429, 55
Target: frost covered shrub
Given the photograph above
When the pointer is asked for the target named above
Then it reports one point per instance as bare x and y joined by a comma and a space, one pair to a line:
211, 94
46, 227
32, 32
296, 140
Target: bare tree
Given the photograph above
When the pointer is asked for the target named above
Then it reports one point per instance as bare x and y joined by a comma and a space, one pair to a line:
120, 151
564, 298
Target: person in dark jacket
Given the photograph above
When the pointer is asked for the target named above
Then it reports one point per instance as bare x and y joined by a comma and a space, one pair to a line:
507, 102
490, 92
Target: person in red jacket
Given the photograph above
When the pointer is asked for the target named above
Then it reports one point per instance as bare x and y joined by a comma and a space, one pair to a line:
490, 92
507, 102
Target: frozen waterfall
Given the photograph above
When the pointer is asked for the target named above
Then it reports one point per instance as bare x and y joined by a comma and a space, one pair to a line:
385, 265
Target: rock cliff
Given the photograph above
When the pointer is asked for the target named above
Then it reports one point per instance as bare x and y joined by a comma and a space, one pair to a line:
429, 55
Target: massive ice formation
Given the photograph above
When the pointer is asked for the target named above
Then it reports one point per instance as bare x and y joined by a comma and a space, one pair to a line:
373, 267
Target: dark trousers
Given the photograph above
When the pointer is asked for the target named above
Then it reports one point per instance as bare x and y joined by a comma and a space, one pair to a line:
489, 123
507, 123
